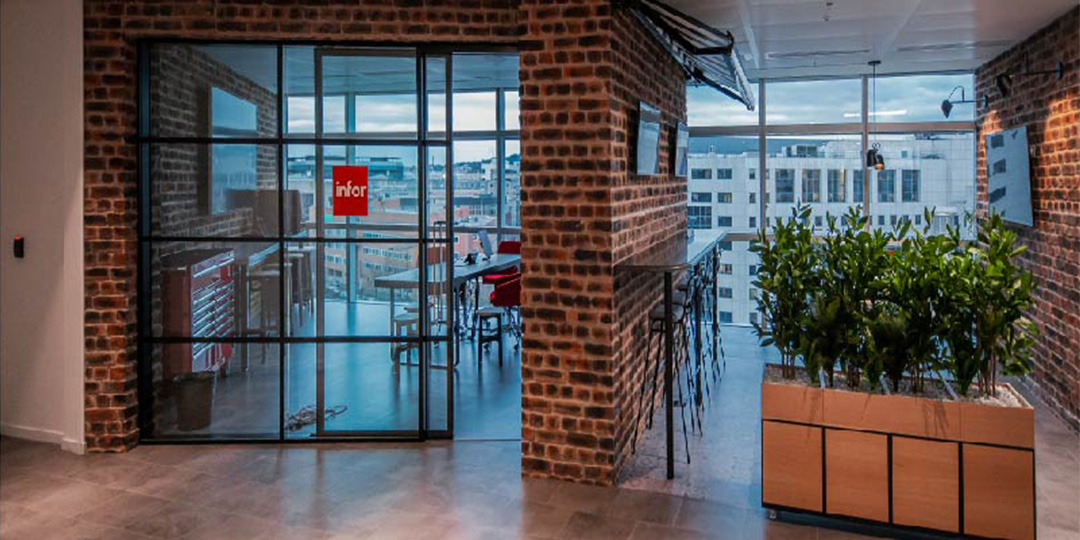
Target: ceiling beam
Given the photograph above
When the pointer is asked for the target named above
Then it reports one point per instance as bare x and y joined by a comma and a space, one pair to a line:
748, 30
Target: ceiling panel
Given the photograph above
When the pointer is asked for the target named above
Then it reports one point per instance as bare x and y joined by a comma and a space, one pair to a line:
820, 38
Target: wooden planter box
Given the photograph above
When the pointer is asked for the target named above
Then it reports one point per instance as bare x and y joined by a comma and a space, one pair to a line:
947, 466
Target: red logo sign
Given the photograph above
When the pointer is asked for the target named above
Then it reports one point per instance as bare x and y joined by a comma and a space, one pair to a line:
350, 191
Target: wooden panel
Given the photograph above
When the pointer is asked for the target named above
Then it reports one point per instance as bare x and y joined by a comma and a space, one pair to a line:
926, 484
857, 474
920, 417
1011, 426
791, 402
791, 465
999, 492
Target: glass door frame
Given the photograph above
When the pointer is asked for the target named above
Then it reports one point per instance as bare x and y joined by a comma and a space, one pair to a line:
145, 138
423, 242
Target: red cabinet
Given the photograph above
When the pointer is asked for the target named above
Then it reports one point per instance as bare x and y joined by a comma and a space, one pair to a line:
198, 295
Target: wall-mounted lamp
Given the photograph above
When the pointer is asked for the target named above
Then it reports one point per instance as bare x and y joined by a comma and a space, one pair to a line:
1005, 80
947, 105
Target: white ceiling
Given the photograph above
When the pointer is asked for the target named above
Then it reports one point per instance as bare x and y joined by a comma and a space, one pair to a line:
813, 38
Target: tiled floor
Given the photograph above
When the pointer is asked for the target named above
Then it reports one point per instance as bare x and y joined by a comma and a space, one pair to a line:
725, 464
443, 490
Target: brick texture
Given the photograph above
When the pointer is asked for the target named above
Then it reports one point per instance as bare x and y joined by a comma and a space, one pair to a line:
111, 31
1050, 109
584, 67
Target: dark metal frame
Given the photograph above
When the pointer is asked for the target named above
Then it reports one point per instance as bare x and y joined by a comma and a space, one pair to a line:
889, 525
145, 140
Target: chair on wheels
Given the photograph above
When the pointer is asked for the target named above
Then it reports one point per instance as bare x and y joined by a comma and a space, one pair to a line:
506, 247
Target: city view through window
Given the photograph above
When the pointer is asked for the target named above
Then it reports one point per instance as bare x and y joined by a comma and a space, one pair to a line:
929, 164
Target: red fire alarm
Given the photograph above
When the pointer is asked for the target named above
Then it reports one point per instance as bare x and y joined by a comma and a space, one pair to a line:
19, 247
350, 191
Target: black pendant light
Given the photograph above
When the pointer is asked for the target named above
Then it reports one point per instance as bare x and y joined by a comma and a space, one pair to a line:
873, 155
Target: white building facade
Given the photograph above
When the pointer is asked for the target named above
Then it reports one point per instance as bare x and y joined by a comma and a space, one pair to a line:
921, 172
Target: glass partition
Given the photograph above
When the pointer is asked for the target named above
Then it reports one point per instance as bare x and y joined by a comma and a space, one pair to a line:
271, 307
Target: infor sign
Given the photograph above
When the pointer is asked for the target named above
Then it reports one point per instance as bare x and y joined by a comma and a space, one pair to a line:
350, 191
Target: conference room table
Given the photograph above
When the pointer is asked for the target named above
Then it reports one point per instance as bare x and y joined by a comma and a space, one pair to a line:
463, 274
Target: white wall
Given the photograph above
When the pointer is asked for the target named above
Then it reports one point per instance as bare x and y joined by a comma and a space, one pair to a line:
41, 198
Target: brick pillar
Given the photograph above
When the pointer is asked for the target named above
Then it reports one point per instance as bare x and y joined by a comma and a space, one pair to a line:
583, 70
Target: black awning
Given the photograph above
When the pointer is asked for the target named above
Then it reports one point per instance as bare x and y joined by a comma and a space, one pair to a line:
706, 53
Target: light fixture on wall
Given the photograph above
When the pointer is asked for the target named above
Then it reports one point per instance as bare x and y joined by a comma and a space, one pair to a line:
873, 155
1004, 81
947, 105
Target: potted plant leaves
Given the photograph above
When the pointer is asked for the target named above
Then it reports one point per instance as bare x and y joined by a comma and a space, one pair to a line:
887, 404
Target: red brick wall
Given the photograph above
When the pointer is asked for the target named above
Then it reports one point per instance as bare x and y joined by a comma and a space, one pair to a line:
584, 67
111, 28
1050, 109
647, 209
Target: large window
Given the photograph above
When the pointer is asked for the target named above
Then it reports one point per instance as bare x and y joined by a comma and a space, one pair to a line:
886, 186
910, 185
837, 187
785, 185
811, 185
813, 150
699, 217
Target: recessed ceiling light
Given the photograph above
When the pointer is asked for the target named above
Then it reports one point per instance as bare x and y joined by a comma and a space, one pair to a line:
812, 54
957, 46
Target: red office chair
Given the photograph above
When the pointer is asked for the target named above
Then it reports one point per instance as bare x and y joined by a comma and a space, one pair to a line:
507, 295
511, 247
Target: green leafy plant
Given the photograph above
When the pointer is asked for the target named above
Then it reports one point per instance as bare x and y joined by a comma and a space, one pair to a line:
983, 320
785, 278
899, 304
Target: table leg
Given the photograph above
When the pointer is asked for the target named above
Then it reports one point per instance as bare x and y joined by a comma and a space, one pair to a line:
392, 311
669, 374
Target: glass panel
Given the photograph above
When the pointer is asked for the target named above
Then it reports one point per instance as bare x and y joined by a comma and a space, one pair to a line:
392, 190
708, 107
300, 208
301, 364
436, 191
817, 102
512, 184
475, 188
737, 157
512, 114
436, 98
363, 284
803, 159
373, 386
391, 115
208, 390
214, 289
334, 116
298, 81
213, 90
477, 78
474, 111
926, 171
918, 98
219, 190
378, 91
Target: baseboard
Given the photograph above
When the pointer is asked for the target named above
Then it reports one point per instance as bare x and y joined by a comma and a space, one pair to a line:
67, 444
